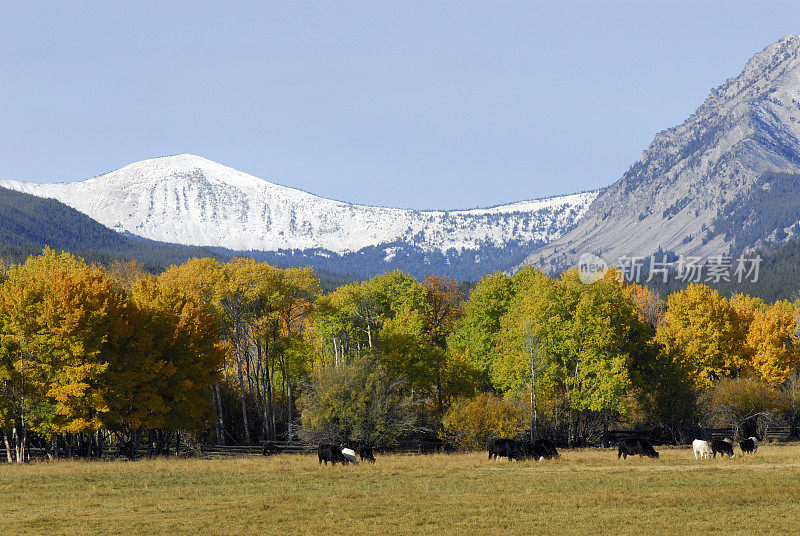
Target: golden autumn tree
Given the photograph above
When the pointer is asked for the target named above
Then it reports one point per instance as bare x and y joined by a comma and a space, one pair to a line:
771, 338
703, 334
200, 278
59, 318
470, 423
164, 369
649, 307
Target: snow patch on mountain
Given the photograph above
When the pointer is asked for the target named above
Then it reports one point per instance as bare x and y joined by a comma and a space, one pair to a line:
187, 199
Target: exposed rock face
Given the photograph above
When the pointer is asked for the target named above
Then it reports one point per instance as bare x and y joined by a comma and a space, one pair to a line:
674, 197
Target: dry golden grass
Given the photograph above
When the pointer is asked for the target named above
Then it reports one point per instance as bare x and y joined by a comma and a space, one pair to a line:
585, 492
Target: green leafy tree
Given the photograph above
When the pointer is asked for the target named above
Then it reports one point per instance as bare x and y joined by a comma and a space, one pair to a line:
357, 401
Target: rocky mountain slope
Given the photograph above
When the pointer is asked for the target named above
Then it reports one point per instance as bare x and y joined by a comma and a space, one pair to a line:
689, 191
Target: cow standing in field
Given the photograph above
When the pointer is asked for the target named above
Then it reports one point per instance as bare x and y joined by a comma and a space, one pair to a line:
635, 445
331, 453
541, 449
749, 445
547, 448
365, 453
702, 449
723, 447
504, 448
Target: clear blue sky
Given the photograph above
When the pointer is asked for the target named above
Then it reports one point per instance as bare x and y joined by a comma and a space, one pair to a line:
414, 104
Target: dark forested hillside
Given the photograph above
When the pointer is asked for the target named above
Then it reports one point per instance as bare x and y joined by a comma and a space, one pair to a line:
778, 275
461, 265
28, 223
763, 212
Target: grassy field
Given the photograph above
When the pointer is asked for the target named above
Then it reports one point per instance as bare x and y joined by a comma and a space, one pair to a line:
585, 492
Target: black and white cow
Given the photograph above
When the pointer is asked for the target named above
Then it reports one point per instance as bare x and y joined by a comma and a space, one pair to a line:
723, 447
350, 455
749, 445
504, 448
635, 445
331, 453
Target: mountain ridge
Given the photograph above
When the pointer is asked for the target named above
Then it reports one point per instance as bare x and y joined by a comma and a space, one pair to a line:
187, 199
690, 174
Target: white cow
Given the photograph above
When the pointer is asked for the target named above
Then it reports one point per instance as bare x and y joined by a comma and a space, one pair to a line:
350, 454
702, 449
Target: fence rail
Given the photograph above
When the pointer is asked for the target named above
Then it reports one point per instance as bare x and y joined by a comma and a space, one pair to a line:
773, 433
656, 436
210, 451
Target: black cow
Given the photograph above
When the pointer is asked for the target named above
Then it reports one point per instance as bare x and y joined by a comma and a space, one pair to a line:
269, 448
505, 448
635, 445
331, 453
544, 448
365, 453
723, 447
541, 449
749, 445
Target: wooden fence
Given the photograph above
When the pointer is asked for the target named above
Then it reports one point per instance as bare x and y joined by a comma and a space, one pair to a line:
211, 451
658, 436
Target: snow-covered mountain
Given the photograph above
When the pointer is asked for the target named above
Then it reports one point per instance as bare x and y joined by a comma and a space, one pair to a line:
186, 199
726, 179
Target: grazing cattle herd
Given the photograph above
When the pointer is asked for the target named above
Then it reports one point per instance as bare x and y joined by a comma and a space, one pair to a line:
540, 449
544, 449
344, 455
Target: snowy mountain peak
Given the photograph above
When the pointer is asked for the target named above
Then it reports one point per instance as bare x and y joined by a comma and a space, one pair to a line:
187, 199
180, 167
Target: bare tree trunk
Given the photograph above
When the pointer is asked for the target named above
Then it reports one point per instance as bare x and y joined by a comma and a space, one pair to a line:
220, 419
9, 456
269, 414
241, 391
272, 402
289, 414
439, 402
283, 391
534, 415
20, 438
